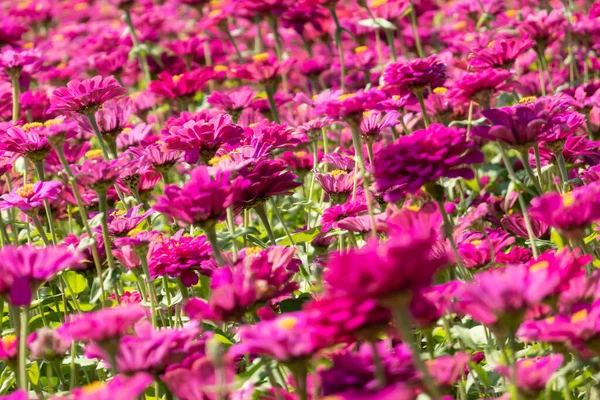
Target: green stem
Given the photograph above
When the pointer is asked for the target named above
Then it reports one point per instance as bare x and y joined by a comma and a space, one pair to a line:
338, 43
379, 370
40, 228
280, 218
272, 105
23, 348
403, 322
463, 272
232, 232
523, 205
14, 79
105, 235
141, 54
525, 161
92, 119
413, 21
262, 214
211, 235
151, 290
538, 165
562, 168
426, 119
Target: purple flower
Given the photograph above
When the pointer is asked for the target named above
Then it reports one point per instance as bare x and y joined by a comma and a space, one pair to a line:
120, 222
518, 126
87, 96
423, 157
480, 87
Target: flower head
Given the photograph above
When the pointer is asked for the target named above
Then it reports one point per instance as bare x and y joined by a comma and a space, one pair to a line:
87, 96
417, 74
30, 197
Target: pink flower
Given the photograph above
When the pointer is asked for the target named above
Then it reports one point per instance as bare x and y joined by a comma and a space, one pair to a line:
87, 96
47, 344
416, 74
202, 139
181, 86
24, 268
499, 54
30, 198
8, 348
373, 124
119, 387
446, 370
534, 373
105, 325
338, 184
27, 141
16, 395
423, 157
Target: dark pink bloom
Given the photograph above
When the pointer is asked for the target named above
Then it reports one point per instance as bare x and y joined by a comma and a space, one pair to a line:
515, 223
117, 388
202, 201
417, 74
499, 54
518, 126
264, 69
374, 123
16, 395
87, 96
234, 102
256, 278
120, 222
181, 86
571, 213
8, 348
333, 215
447, 370
202, 139
425, 156
27, 140
338, 184
25, 268
481, 86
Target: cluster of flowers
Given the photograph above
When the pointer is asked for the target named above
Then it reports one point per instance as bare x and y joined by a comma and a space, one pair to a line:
299, 199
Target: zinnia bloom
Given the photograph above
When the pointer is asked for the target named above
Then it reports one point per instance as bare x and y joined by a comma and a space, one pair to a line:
423, 157
499, 54
30, 198
534, 373
87, 96
417, 74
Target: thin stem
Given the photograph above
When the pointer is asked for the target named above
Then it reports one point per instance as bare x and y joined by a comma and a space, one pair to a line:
413, 21
211, 235
232, 228
92, 119
39, 167
562, 168
379, 370
463, 272
151, 290
315, 146
538, 166
338, 43
513, 177
361, 161
426, 119
40, 228
234, 44
23, 348
525, 161
140, 53
272, 105
403, 322
105, 234
300, 374
280, 218
470, 118
262, 214
14, 80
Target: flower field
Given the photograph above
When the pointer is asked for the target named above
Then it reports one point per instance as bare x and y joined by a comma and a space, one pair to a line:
299, 199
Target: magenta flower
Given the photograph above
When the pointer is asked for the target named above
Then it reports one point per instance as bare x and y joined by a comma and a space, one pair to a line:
8, 348
571, 213
198, 378
499, 54
234, 102
25, 268
202, 201
30, 198
202, 139
287, 338
100, 174
423, 157
403, 264
534, 373
447, 370
103, 326
373, 124
13, 62
338, 184
333, 215
481, 86
117, 388
544, 27
87, 96
27, 140
415, 75
112, 118
518, 126
265, 69
16, 395
47, 344
182, 86
180, 256
515, 223
255, 279
120, 222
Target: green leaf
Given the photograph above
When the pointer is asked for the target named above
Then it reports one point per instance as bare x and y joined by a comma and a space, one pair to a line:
300, 237
556, 238
292, 305
377, 23
7, 380
223, 339
33, 372
76, 283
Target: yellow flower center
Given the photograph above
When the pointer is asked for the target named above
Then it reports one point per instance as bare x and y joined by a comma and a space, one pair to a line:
539, 266
125, 130
253, 250
440, 90
346, 96
176, 78
135, 95
59, 37
134, 232
287, 323
93, 387
260, 57
80, 6
476, 242
491, 44
301, 153
360, 49
550, 320
28, 45
378, 3
579, 316
32, 125
8, 340
216, 160
220, 68
397, 97
25, 191
510, 13
215, 13
261, 95
52, 122
460, 26
568, 200
414, 207
527, 363
337, 172
118, 213
527, 100
93, 154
